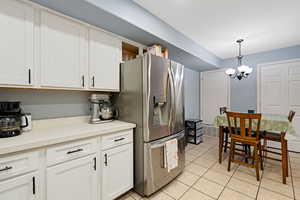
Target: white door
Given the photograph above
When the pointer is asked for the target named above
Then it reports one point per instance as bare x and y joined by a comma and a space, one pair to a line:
19, 188
73, 180
274, 89
294, 103
16, 43
215, 92
104, 61
117, 171
279, 86
63, 53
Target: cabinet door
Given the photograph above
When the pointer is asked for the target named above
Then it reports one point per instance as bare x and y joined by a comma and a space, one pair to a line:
63, 52
73, 180
104, 61
16, 43
117, 171
19, 188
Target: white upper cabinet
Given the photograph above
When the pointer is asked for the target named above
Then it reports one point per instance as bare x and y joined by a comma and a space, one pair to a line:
104, 60
63, 52
16, 43
43, 49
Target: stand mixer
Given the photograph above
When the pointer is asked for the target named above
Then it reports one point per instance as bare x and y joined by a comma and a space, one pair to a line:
101, 109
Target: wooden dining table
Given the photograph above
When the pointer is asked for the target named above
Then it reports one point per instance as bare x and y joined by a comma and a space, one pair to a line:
269, 122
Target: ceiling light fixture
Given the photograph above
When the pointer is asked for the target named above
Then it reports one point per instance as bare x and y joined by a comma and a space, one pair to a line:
242, 71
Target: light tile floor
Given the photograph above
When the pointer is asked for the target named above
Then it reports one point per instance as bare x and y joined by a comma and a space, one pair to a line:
205, 179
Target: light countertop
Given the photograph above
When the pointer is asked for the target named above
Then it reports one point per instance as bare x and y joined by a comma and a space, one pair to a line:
53, 131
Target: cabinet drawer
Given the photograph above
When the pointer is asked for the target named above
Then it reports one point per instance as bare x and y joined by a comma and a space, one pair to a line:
70, 151
18, 164
116, 139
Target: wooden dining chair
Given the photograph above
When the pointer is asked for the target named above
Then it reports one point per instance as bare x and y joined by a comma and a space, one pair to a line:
226, 142
241, 131
223, 110
278, 137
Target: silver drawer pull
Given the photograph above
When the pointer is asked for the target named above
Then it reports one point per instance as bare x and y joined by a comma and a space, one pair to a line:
117, 140
5, 168
74, 151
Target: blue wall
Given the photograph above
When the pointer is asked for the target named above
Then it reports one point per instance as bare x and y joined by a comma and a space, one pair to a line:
244, 92
191, 94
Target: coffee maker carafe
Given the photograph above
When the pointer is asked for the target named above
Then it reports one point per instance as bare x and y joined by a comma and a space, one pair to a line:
11, 119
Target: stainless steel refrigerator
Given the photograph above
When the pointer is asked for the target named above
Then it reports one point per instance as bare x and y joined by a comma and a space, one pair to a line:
152, 97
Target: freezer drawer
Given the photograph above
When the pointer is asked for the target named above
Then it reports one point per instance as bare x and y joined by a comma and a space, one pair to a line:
156, 175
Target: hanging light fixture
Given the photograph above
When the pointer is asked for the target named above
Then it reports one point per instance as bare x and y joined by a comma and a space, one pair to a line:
242, 71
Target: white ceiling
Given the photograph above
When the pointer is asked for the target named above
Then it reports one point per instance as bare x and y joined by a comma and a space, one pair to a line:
217, 24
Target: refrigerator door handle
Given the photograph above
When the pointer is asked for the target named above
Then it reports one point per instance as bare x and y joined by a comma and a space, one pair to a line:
172, 88
163, 158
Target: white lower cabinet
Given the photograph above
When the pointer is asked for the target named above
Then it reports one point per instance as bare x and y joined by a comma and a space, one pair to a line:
117, 171
19, 188
77, 170
73, 180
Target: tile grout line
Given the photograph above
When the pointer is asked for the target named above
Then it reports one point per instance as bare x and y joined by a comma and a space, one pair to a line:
242, 181
227, 182
191, 187
260, 180
192, 162
276, 191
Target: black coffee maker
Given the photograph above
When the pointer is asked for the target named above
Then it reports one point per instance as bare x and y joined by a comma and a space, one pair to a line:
11, 119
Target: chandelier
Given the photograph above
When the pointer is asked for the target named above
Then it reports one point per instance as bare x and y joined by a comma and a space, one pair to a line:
242, 71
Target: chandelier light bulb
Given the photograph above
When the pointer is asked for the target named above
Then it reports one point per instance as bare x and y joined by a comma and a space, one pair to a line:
243, 68
249, 71
230, 71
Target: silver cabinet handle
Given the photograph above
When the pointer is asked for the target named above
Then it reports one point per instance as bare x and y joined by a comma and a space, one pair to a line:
93, 81
74, 151
95, 163
119, 139
82, 80
29, 76
33, 185
105, 159
6, 168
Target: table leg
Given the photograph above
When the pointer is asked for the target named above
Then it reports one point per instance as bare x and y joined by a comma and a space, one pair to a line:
221, 143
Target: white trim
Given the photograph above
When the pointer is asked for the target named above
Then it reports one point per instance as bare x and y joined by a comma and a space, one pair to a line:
201, 95
258, 90
202, 86
258, 69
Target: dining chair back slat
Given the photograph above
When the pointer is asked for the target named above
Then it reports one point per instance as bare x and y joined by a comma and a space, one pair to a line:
235, 126
250, 127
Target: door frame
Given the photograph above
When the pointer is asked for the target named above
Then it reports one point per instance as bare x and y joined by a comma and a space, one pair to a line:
202, 86
258, 71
